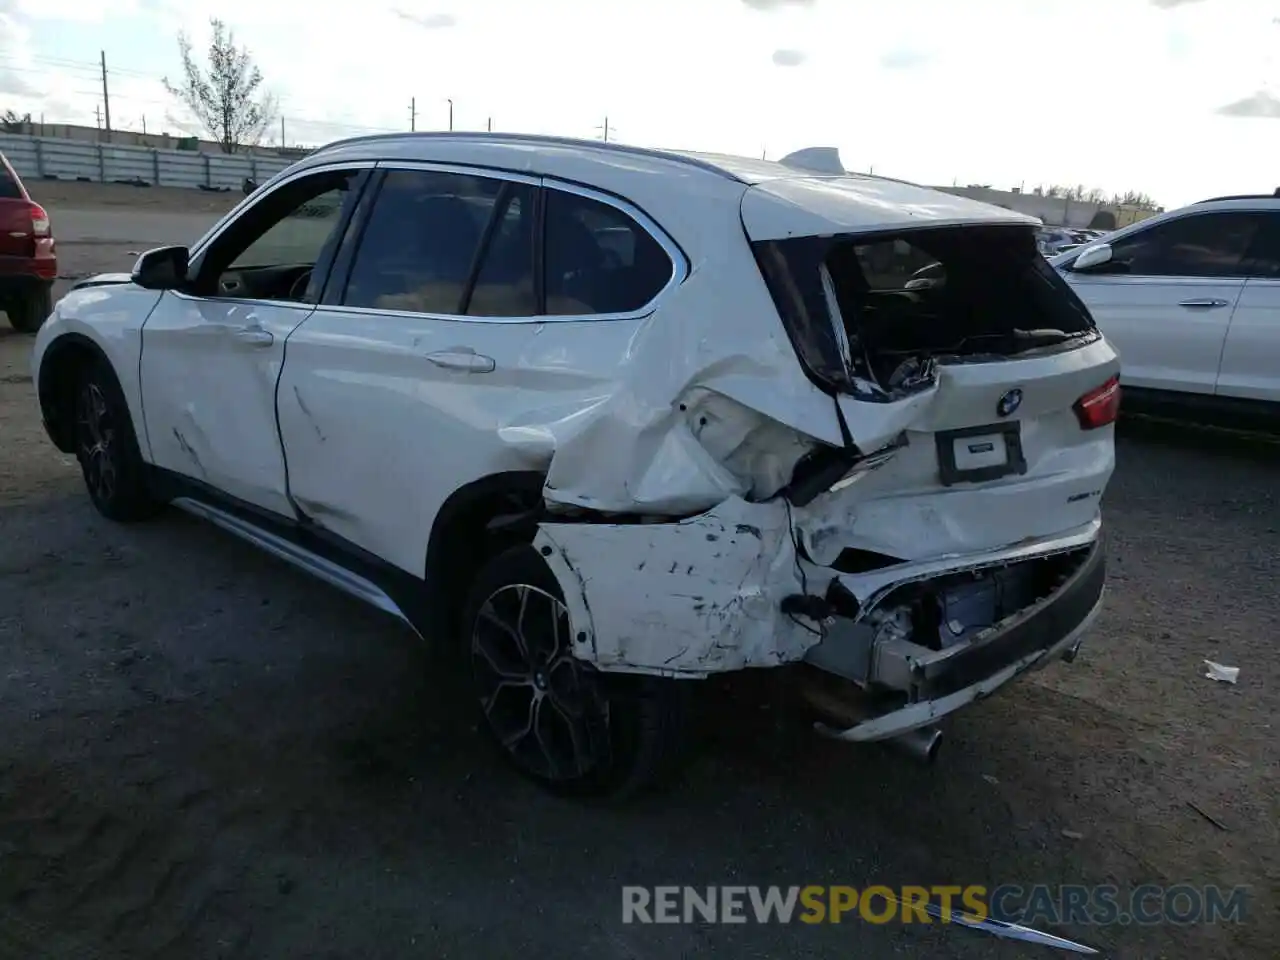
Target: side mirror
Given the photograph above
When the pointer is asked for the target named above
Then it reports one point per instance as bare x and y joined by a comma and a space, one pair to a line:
1093, 257
164, 268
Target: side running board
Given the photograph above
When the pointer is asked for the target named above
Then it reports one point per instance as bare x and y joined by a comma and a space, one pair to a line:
306, 560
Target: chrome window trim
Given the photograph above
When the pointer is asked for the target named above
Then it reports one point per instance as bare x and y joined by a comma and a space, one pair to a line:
266, 190
489, 173
679, 262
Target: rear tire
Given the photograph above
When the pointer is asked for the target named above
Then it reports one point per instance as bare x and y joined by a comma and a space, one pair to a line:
107, 448
30, 309
558, 720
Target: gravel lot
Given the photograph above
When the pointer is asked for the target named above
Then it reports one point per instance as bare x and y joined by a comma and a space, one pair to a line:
206, 754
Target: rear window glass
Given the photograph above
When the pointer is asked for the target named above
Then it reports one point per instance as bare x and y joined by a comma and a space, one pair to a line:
9, 189
961, 291
975, 278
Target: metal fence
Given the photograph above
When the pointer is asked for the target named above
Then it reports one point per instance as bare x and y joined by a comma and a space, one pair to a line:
37, 158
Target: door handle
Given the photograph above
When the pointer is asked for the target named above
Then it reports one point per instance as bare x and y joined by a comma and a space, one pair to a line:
1207, 303
467, 360
254, 336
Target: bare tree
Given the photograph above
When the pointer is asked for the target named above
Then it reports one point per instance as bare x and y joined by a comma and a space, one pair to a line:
227, 97
12, 122
1130, 198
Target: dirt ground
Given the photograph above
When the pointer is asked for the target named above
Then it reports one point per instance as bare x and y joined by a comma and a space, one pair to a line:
206, 754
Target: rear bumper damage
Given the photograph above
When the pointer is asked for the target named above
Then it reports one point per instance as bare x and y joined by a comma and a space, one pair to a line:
918, 685
906, 644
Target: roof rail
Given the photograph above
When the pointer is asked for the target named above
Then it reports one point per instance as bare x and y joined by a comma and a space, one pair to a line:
528, 138
1245, 196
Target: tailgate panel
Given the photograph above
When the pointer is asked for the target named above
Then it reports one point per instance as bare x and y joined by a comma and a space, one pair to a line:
968, 479
16, 239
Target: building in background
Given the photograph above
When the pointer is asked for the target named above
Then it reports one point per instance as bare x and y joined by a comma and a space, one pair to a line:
1058, 211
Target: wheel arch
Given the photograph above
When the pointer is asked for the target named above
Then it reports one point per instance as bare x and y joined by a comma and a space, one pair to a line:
62, 362
464, 534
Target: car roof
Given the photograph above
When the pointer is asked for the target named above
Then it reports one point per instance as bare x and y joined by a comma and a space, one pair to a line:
680, 185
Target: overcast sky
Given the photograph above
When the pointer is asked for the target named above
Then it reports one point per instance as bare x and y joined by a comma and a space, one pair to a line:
1177, 98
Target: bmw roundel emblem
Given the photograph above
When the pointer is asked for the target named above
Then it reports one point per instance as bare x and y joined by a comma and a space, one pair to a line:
1010, 402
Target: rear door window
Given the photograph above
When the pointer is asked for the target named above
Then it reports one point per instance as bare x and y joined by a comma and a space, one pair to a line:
504, 284
599, 260
421, 240
1263, 258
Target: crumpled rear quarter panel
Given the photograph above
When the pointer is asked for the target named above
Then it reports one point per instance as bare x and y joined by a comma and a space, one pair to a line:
695, 597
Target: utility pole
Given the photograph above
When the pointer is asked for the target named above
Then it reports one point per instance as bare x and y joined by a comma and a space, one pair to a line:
605, 128
106, 97
450, 114
282, 140
413, 114
97, 115
490, 126
144, 124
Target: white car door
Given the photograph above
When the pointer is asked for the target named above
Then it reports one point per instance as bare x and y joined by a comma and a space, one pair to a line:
433, 362
1166, 297
212, 353
1251, 357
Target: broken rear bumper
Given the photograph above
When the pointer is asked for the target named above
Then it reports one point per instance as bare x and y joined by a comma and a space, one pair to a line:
708, 595
937, 683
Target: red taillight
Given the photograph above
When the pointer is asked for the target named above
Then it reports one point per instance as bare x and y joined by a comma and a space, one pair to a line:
39, 221
1099, 407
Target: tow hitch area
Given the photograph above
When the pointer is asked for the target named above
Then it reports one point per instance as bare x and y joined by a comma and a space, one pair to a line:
925, 648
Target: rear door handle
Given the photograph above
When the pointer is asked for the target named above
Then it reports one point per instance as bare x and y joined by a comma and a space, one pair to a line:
1206, 303
254, 336
459, 359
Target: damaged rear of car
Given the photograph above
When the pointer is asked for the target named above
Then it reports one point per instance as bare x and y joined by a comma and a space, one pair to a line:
939, 536
614, 420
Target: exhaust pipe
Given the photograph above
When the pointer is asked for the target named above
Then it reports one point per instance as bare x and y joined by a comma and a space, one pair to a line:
922, 744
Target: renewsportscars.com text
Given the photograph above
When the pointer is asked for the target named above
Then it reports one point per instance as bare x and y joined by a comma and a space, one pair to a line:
1040, 903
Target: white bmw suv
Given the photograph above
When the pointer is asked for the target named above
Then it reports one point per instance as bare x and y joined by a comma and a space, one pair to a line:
609, 420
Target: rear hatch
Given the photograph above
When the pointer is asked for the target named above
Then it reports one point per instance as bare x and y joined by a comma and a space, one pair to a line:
945, 338
16, 238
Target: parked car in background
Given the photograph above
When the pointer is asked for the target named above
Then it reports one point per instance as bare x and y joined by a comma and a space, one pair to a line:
1191, 299
1055, 240
28, 261
504, 407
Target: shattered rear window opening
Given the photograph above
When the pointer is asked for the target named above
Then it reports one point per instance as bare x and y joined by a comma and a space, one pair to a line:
894, 304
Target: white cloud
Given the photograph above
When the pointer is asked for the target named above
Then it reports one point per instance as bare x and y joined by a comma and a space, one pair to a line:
428, 21
788, 58
904, 58
93, 11
1262, 105
14, 64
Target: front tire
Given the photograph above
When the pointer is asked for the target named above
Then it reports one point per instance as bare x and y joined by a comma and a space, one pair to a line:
107, 448
29, 310
556, 719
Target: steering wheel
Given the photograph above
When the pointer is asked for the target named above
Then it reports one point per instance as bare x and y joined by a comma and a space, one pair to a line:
299, 285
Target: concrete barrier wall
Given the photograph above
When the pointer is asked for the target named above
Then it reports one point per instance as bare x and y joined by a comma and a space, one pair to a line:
38, 158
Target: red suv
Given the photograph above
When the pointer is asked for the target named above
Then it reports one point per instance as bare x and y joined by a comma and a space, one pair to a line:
28, 263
